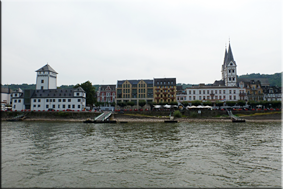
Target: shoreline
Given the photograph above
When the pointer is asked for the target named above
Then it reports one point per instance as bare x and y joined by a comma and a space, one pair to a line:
156, 120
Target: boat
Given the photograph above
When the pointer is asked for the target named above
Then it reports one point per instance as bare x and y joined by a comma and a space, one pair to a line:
238, 120
20, 117
170, 121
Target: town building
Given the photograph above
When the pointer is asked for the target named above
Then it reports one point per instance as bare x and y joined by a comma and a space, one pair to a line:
46, 95
134, 91
165, 90
181, 94
106, 93
254, 90
272, 93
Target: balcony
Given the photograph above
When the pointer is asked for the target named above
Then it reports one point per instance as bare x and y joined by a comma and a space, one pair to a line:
172, 89
157, 93
172, 93
243, 94
165, 93
157, 98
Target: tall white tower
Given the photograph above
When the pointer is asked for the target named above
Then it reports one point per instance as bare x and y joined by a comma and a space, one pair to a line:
229, 68
46, 78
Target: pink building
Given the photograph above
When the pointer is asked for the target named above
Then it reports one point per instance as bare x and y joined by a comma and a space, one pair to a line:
106, 93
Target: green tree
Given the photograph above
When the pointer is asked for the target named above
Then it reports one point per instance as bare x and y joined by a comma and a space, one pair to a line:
253, 103
122, 104
241, 102
196, 102
230, 103
218, 103
130, 103
142, 103
207, 103
90, 92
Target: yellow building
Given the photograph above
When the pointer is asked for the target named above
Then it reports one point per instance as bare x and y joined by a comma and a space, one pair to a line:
134, 91
165, 90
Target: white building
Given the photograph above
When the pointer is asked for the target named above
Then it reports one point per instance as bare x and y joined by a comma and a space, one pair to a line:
6, 95
47, 96
213, 93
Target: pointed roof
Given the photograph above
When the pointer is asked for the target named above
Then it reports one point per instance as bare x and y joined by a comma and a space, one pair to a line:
46, 68
225, 56
229, 57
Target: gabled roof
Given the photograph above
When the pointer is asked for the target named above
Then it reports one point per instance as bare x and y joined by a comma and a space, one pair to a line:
46, 68
79, 89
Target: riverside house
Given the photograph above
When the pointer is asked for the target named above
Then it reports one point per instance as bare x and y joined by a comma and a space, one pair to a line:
46, 96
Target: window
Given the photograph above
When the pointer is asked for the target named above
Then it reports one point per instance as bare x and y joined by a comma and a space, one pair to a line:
64, 106
190, 97
69, 100
73, 106
79, 100
207, 97
58, 105
189, 92
230, 97
53, 100
234, 91
78, 94
230, 91
194, 97
207, 91
46, 100
59, 100
16, 94
219, 91
215, 91
34, 100
19, 100
53, 106
234, 97
194, 92
15, 100
42, 81
199, 91
203, 91
41, 87
223, 91
69, 106
229, 78
47, 106
64, 100
38, 105
38, 100
79, 106
199, 97
219, 97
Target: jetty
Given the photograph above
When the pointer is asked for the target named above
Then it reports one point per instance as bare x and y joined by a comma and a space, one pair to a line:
20, 117
234, 118
102, 118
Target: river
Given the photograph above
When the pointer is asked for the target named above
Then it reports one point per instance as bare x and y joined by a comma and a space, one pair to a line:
70, 154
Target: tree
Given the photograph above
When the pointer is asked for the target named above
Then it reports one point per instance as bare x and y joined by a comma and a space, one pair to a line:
230, 103
196, 102
90, 92
207, 103
122, 104
130, 103
142, 103
241, 102
218, 103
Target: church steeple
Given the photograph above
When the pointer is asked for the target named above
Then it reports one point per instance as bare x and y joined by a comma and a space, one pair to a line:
229, 55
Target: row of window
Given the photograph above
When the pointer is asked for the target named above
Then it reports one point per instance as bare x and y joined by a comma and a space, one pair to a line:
215, 98
164, 83
59, 100
58, 106
230, 78
211, 91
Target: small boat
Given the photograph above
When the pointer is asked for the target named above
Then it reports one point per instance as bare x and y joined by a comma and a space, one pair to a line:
96, 121
238, 120
170, 121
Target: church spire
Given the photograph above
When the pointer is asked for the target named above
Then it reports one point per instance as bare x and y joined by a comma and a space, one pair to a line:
229, 54
225, 55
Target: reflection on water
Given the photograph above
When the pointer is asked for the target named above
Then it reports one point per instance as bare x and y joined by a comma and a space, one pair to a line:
50, 154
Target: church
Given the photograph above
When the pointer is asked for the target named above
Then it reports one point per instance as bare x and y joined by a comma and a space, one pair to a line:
226, 89
47, 96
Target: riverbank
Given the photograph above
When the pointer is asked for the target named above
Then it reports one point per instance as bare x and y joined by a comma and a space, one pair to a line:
80, 117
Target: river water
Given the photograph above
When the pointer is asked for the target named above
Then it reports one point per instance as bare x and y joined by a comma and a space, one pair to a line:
68, 154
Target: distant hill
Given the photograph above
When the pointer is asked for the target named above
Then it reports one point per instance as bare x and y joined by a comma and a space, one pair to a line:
273, 79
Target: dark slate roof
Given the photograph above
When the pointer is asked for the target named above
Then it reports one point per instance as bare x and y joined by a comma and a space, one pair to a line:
263, 81
276, 90
219, 83
135, 82
225, 56
56, 93
164, 80
46, 68
229, 57
104, 87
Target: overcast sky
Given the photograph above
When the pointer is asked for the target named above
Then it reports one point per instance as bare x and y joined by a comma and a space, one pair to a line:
108, 40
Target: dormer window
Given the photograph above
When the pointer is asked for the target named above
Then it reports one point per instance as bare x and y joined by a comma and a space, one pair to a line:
231, 64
